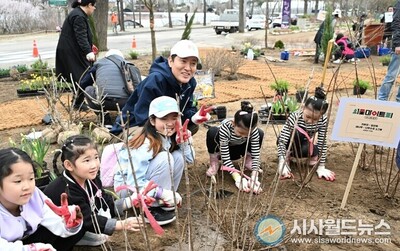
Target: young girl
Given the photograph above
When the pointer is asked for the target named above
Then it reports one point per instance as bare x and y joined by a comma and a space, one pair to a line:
344, 49
157, 155
229, 141
80, 181
26, 220
310, 120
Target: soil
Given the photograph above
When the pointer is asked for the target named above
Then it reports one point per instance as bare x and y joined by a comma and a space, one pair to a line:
227, 223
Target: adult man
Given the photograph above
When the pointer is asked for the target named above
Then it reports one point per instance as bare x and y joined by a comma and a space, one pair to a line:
394, 65
114, 22
387, 33
173, 77
110, 83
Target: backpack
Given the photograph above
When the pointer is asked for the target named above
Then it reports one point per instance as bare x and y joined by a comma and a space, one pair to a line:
130, 73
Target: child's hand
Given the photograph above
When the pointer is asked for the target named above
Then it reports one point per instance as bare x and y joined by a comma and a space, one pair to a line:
284, 169
202, 115
241, 182
41, 247
326, 173
71, 219
133, 224
182, 134
254, 183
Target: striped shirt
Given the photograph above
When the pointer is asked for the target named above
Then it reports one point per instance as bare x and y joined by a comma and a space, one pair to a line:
227, 137
320, 127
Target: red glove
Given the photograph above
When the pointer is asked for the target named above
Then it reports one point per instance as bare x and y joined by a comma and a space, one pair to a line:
95, 50
202, 115
182, 134
71, 219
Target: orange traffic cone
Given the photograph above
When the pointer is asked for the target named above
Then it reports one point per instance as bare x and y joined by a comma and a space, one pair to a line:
35, 53
133, 43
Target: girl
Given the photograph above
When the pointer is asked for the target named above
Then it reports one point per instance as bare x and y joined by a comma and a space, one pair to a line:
310, 120
80, 181
26, 221
157, 156
344, 49
229, 142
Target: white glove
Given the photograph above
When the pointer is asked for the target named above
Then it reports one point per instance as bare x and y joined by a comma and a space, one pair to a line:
254, 184
41, 247
284, 169
326, 173
241, 183
202, 115
167, 196
91, 57
131, 200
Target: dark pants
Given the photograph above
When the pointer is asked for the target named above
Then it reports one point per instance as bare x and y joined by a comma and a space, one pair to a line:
317, 52
338, 54
44, 235
236, 152
300, 146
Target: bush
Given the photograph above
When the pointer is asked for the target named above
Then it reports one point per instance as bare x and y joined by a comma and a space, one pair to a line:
279, 44
4, 73
134, 54
216, 59
385, 60
280, 86
362, 84
233, 62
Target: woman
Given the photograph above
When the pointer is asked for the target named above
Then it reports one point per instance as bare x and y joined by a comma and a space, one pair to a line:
74, 49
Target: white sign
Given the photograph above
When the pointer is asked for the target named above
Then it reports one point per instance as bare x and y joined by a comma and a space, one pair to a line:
388, 17
368, 121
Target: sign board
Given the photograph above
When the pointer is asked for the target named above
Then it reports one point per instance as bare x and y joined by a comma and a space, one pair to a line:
321, 15
205, 85
286, 13
58, 2
368, 121
388, 17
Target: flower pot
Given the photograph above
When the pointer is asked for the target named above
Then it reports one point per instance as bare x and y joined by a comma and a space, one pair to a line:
278, 118
300, 95
357, 90
220, 111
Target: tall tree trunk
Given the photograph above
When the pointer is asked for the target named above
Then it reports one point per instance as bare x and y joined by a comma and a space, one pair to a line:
169, 14
316, 7
205, 12
305, 6
266, 24
121, 8
150, 6
241, 16
100, 15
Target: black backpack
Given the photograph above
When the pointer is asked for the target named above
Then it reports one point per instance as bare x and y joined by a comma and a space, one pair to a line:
130, 73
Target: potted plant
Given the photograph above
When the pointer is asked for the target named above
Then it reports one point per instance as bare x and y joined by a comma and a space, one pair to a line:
300, 93
385, 60
360, 86
280, 86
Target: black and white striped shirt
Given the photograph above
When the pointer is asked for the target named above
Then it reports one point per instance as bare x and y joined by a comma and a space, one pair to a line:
228, 138
311, 129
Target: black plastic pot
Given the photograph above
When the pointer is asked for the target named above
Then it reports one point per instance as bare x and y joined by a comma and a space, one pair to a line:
220, 111
357, 90
29, 93
300, 95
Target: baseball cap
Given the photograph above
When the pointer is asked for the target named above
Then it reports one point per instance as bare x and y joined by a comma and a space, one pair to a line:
185, 48
337, 12
114, 52
163, 106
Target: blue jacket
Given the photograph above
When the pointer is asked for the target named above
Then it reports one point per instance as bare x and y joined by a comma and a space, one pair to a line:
159, 82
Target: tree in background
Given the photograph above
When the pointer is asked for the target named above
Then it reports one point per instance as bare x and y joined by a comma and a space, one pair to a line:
188, 28
328, 30
99, 21
150, 6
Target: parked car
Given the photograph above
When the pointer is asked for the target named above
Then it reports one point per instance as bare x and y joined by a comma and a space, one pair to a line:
128, 23
277, 20
255, 22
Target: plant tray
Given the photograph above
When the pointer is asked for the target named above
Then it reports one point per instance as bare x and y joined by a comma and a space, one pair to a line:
29, 93
277, 119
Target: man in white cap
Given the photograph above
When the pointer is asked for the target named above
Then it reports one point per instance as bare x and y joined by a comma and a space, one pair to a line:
173, 77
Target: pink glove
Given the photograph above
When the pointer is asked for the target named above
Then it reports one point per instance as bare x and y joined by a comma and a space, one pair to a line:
326, 173
202, 115
41, 247
71, 219
95, 50
182, 133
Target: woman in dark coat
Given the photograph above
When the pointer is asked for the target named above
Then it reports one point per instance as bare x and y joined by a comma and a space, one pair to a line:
74, 49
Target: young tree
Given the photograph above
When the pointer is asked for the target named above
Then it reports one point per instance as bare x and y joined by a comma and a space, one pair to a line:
150, 6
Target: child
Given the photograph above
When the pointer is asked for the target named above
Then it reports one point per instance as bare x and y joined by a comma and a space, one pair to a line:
229, 141
310, 119
26, 221
344, 49
157, 155
80, 181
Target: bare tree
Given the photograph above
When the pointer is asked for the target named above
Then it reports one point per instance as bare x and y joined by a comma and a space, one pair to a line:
241, 16
169, 14
150, 6
101, 20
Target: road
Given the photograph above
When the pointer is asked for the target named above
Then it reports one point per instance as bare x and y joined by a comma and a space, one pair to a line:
18, 49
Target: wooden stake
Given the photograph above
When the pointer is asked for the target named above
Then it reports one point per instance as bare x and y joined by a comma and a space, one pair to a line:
351, 177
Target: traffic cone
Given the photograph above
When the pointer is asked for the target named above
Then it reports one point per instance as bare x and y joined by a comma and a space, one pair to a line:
35, 53
133, 43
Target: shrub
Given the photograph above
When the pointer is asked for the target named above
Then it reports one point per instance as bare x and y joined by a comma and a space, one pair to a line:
4, 72
280, 86
279, 44
233, 62
22, 68
39, 65
294, 28
134, 54
216, 59
385, 60
362, 84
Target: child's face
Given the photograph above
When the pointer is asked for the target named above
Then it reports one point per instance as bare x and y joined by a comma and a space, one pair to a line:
311, 116
18, 187
166, 124
241, 131
85, 167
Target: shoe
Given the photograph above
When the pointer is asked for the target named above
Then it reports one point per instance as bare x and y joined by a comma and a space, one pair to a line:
214, 164
313, 160
161, 216
92, 239
168, 208
337, 61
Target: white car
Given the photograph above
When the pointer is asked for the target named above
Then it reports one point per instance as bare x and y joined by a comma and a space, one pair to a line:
256, 22
277, 20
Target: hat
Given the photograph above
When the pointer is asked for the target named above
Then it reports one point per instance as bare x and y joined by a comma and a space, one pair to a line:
163, 106
337, 12
114, 52
184, 49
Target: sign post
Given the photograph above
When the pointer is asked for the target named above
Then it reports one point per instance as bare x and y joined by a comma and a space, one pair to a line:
58, 2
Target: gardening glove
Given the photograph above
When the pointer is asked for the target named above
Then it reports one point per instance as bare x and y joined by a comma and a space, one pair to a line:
254, 183
167, 197
71, 218
95, 50
183, 135
202, 115
91, 57
284, 169
132, 201
40, 247
241, 183
326, 173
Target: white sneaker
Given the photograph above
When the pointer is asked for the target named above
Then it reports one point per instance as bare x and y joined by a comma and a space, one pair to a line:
92, 239
337, 61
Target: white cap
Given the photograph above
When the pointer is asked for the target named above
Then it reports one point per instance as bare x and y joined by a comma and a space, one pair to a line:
184, 49
114, 52
337, 12
163, 106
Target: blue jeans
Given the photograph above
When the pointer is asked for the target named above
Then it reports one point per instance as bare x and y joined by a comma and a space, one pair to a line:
390, 79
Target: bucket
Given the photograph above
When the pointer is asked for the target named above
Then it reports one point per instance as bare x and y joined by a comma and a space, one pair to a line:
220, 111
383, 51
284, 55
